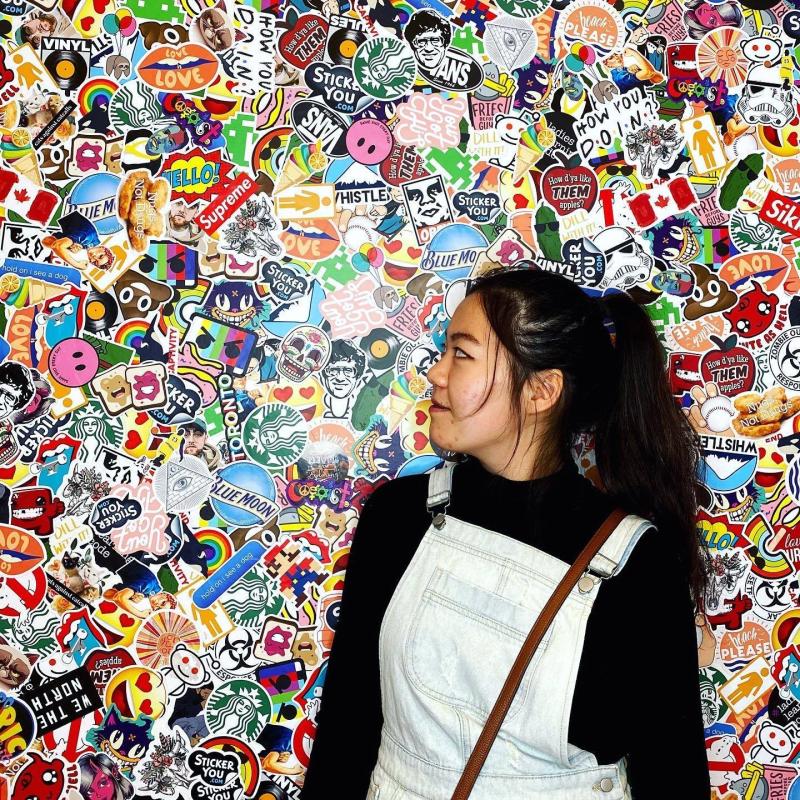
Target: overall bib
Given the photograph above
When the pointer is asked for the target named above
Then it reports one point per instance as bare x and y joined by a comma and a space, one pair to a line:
451, 632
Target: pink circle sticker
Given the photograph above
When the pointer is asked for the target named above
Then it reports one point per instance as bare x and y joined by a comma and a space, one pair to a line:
369, 141
73, 362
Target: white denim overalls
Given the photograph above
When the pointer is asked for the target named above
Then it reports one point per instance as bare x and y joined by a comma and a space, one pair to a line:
452, 630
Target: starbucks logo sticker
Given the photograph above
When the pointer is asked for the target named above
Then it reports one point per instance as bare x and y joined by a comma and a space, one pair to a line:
384, 67
524, 9
275, 435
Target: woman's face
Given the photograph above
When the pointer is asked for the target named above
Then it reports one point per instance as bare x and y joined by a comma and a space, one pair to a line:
461, 380
241, 707
91, 426
708, 16
102, 787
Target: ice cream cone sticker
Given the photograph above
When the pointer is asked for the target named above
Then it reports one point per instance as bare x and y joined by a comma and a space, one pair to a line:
404, 392
300, 164
535, 139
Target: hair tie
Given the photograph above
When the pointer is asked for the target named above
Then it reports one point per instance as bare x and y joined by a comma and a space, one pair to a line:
608, 320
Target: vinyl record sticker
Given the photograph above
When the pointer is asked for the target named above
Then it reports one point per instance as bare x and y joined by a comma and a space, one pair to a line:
68, 69
381, 347
101, 312
342, 45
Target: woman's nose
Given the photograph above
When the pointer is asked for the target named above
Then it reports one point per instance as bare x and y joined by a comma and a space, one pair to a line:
436, 372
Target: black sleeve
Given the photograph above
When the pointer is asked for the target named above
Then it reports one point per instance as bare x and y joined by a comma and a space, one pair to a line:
349, 720
655, 576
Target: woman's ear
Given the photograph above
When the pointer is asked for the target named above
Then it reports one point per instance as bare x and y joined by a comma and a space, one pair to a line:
544, 390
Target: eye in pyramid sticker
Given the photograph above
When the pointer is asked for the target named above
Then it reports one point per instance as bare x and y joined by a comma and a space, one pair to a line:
182, 484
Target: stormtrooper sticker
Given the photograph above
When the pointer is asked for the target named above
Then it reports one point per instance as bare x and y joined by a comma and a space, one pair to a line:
627, 263
768, 96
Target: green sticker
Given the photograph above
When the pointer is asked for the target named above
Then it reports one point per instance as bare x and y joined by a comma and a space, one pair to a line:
384, 67
275, 435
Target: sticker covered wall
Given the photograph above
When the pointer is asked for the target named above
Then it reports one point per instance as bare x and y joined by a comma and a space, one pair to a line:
231, 235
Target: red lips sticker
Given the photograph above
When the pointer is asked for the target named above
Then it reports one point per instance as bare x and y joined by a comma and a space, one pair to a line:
183, 68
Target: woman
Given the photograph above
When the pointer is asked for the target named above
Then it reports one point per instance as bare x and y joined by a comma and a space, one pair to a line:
416, 664
702, 17
102, 780
37, 25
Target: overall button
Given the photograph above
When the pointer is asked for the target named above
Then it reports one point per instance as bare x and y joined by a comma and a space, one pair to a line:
606, 784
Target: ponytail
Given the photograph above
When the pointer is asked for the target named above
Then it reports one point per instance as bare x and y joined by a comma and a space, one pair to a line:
615, 385
647, 453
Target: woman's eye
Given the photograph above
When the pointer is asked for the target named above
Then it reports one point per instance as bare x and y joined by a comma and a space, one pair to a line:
459, 350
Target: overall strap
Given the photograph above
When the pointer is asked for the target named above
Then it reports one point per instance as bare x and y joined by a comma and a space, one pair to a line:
615, 551
440, 487
607, 562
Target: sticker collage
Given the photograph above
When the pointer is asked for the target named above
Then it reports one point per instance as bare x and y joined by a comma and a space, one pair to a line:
228, 236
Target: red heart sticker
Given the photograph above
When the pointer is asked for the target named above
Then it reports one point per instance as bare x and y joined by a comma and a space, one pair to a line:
143, 682
568, 190
305, 41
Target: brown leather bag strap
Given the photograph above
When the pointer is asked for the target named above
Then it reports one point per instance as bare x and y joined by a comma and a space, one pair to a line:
503, 703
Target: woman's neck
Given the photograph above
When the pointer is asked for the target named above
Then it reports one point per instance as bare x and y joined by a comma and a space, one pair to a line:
523, 470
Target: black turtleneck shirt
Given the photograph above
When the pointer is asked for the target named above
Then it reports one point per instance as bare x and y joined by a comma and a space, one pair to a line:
637, 688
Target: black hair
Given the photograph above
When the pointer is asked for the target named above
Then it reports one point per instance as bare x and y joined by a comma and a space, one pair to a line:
345, 350
646, 452
19, 377
92, 763
423, 21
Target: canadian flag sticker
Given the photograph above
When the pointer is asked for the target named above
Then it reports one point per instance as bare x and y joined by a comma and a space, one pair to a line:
662, 201
24, 197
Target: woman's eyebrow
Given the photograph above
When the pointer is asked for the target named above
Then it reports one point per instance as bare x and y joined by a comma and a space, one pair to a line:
462, 335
